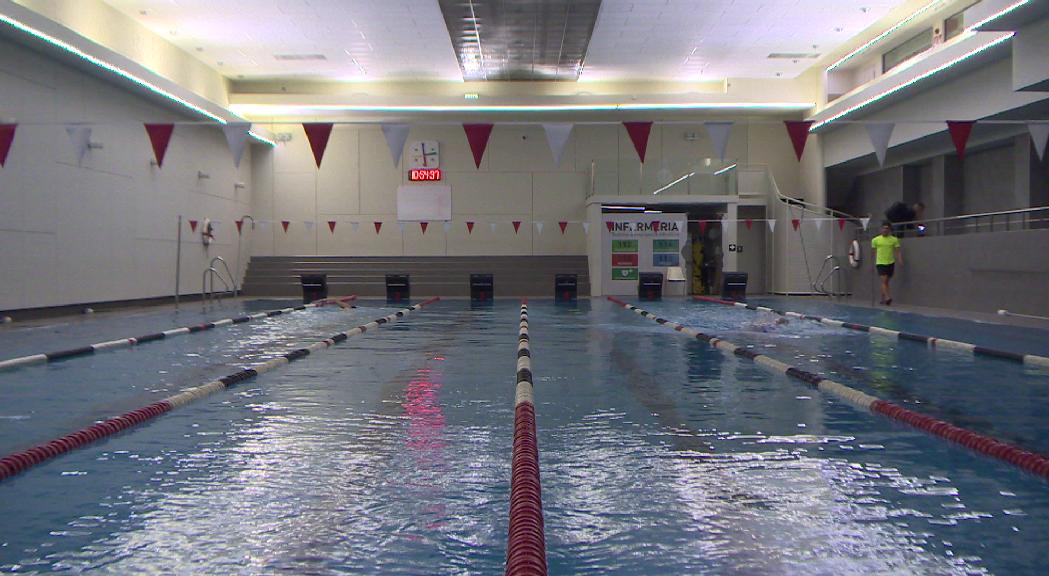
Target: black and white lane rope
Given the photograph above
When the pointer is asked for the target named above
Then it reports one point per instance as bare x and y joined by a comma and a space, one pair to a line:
128, 342
19, 462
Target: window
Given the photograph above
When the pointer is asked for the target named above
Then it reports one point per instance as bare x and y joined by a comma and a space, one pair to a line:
954, 25
909, 49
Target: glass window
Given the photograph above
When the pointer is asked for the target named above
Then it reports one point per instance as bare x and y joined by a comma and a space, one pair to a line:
915, 45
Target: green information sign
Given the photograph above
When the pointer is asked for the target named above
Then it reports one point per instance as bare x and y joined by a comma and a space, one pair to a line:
624, 245
664, 245
624, 273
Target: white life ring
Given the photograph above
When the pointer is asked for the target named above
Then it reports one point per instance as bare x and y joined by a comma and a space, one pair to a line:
855, 256
207, 232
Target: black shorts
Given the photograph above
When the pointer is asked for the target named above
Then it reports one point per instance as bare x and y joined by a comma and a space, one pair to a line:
886, 269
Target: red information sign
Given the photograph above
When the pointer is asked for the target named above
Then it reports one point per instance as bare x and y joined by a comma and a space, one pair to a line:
624, 259
424, 175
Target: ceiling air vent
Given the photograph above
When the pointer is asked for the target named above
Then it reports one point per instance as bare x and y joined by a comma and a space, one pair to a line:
792, 55
300, 57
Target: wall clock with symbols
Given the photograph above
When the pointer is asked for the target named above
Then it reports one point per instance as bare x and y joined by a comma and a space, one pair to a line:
424, 155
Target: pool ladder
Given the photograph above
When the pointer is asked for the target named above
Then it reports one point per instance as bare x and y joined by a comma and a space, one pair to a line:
832, 273
208, 294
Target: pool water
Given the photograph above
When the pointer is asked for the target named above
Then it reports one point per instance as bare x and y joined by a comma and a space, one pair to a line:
391, 452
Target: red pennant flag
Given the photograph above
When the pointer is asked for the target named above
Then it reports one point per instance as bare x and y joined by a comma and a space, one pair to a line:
284, 224
609, 225
423, 225
639, 132
240, 224
795, 223
378, 226
7, 136
655, 226
563, 225
841, 224
469, 227
160, 137
193, 225
331, 226
517, 226
749, 223
477, 135
960, 134
702, 226
799, 134
318, 134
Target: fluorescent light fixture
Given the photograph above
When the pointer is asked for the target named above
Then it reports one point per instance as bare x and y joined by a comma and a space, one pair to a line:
689, 175
470, 96
653, 211
612, 207
127, 75
725, 169
912, 81
884, 34
998, 14
270, 109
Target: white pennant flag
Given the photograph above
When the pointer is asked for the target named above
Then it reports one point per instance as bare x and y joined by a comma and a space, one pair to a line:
819, 223
355, 225
401, 226
557, 135
492, 226
447, 227
396, 135
772, 225
719, 133
865, 221
880, 133
539, 227
586, 228
80, 136
237, 138
309, 224
1039, 134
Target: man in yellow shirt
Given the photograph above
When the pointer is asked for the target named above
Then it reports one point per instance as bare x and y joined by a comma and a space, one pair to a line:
887, 250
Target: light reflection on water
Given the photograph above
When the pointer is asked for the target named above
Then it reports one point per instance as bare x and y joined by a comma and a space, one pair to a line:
391, 454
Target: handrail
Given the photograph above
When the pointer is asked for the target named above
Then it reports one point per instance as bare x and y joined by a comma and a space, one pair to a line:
820, 284
228, 273
968, 216
206, 294
805, 205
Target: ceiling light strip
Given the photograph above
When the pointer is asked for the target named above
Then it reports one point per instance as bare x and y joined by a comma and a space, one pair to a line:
884, 34
58, 43
998, 14
276, 108
668, 186
912, 81
725, 169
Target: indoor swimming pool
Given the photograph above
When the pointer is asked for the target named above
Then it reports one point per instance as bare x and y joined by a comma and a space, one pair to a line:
390, 452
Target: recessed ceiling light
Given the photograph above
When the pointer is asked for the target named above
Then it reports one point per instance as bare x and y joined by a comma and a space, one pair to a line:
839, 29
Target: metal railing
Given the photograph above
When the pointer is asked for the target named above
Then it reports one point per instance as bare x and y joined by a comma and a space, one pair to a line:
1004, 221
208, 294
832, 274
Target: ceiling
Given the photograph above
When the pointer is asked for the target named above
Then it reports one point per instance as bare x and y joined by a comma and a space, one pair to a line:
369, 40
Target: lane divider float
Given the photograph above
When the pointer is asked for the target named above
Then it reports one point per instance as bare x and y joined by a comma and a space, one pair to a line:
930, 341
526, 546
128, 342
21, 461
1030, 461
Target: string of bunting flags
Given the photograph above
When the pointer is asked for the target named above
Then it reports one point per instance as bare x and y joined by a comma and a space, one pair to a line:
516, 225
318, 134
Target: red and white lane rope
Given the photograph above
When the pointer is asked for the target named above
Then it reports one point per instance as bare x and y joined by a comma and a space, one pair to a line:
21, 461
526, 546
128, 342
1025, 459
930, 341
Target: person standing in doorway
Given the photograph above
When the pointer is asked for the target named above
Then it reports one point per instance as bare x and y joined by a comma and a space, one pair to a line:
887, 254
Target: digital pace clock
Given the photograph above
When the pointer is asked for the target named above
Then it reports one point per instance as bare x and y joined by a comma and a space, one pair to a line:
425, 175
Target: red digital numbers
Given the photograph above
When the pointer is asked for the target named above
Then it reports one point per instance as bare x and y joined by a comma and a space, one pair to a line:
424, 175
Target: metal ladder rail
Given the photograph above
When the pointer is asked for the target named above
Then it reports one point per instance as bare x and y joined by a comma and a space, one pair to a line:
212, 272
820, 283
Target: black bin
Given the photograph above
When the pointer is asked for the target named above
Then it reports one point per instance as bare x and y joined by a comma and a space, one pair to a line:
566, 287
398, 288
482, 289
650, 286
314, 287
734, 285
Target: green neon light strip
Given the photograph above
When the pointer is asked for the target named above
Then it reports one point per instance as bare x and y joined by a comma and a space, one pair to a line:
884, 34
58, 43
912, 81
